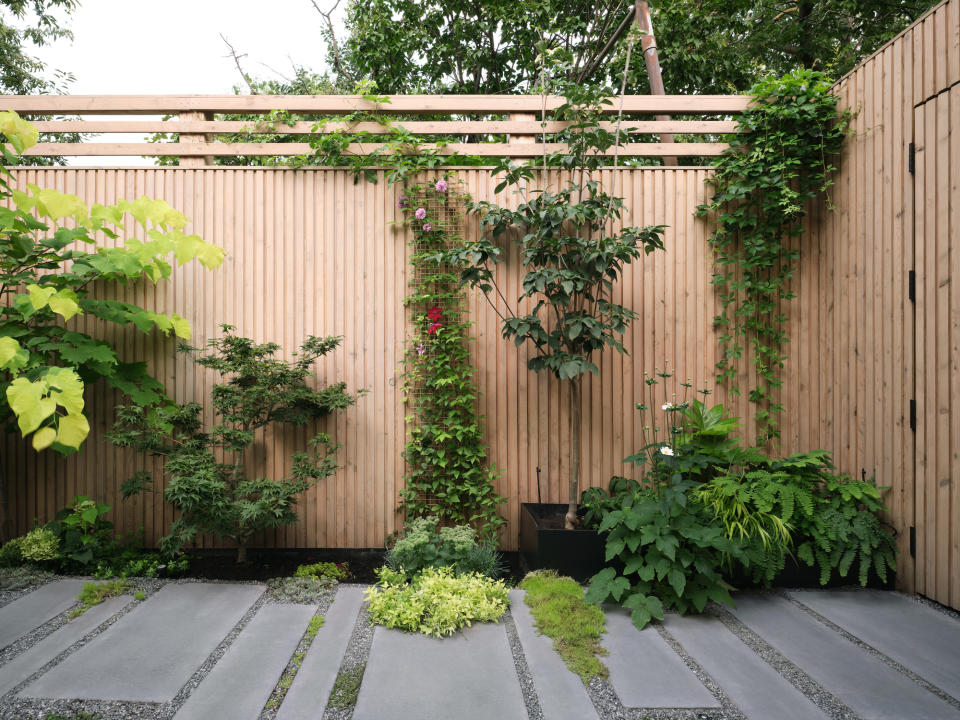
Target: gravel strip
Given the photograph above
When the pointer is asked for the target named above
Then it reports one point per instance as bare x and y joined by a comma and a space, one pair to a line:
272, 707
820, 697
949, 699
529, 690
357, 654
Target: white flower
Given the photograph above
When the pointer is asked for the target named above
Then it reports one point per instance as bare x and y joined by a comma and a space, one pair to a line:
666, 450
666, 406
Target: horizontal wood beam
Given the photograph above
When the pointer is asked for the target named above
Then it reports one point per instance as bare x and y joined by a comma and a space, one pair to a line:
274, 149
338, 104
419, 127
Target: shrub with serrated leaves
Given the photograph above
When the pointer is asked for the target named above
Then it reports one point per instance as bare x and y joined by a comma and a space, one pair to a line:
422, 545
39, 546
207, 483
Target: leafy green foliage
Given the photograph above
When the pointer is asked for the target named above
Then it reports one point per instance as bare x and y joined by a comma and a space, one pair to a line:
447, 477
11, 554
40, 545
436, 601
781, 160
134, 562
84, 533
95, 593
422, 545
25, 576
571, 250
45, 280
307, 590
206, 468
562, 614
335, 571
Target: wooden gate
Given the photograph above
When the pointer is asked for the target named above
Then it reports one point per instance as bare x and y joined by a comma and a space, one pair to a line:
936, 155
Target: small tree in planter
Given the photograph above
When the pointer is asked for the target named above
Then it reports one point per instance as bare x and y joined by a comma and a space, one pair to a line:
208, 484
572, 254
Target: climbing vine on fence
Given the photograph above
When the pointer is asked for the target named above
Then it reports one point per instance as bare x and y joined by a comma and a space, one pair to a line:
781, 160
447, 472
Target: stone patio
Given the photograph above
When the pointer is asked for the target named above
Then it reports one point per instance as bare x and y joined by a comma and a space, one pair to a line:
788, 655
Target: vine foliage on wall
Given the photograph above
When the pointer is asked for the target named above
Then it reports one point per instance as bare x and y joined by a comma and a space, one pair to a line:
781, 159
447, 472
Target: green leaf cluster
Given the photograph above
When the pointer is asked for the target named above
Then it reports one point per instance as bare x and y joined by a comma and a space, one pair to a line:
422, 545
448, 477
436, 601
781, 160
46, 279
84, 533
207, 482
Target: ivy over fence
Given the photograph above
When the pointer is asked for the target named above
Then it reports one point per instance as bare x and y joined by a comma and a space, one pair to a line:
780, 161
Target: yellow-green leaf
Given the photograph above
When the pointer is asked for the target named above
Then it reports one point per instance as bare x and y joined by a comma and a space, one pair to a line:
65, 303
55, 204
43, 438
73, 430
40, 296
19, 132
12, 356
66, 388
28, 403
181, 328
156, 211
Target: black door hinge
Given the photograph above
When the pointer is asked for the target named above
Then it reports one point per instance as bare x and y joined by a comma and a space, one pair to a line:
913, 541
912, 285
912, 158
913, 415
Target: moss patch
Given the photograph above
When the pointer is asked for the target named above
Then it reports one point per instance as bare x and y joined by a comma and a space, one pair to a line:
561, 613
95, 593
347, 688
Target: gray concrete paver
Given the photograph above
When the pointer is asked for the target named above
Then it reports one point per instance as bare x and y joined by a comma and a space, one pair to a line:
244, 678
35, 608
310, 691
918, 637
27, 663
561, 692
149, 653
870, 687
751, 684
467, 676
644, 669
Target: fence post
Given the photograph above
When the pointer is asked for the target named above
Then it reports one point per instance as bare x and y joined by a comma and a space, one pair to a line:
188, 138
522, 139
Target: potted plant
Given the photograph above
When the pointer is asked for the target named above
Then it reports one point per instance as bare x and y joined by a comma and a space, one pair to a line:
573, 253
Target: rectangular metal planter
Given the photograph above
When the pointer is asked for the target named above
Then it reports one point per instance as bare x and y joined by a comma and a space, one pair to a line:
573, 553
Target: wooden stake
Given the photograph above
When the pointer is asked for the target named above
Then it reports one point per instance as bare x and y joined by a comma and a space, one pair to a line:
648, 43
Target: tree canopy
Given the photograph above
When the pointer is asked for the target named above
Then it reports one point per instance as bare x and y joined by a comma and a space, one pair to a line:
22, 23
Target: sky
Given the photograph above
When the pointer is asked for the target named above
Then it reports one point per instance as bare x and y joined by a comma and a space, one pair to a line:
174, 47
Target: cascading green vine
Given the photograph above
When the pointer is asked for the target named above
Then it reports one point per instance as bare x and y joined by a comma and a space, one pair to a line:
781, 160
447, 472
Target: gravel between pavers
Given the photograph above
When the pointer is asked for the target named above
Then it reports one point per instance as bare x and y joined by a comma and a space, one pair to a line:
527, 688
949, 699
357, 653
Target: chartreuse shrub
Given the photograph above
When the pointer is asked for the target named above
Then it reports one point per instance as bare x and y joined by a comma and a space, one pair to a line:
436, 601
561, 613
39, 545
708, 508
780, 159
46, 278
208, 483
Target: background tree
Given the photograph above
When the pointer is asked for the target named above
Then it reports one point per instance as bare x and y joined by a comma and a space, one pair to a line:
24, 23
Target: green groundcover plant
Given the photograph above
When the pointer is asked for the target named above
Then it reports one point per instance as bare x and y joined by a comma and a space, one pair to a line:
422, 545
436, 601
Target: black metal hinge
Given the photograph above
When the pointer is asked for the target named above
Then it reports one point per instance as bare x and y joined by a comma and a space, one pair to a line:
912, 285
912, 158
913, 415
913, 541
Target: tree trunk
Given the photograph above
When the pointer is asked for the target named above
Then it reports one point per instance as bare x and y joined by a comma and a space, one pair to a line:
241, 553
648, 43
575, 409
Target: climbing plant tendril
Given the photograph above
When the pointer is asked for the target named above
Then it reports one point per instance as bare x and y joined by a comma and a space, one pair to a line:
781, 160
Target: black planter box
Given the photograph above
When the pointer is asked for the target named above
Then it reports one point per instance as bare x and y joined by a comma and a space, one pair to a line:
573, 553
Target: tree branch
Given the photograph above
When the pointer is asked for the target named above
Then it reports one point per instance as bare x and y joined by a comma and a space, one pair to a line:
236, 61
338, 62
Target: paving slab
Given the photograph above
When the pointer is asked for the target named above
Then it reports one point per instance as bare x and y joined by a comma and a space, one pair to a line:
468, 676
27, 663
561, 692
149, 653
751, 684
644, 669
918, 637
870, 687
35, 608
244, 678
310, 691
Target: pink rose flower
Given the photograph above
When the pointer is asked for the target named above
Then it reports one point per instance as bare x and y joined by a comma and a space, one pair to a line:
420, 214
441, 185
427, 227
